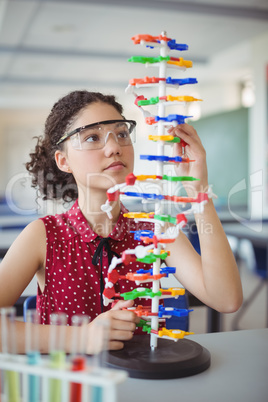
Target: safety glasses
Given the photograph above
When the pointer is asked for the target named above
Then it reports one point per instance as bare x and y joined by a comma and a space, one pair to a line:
95, 136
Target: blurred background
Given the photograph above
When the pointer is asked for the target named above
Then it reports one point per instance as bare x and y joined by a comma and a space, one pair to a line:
48, 48
51, 47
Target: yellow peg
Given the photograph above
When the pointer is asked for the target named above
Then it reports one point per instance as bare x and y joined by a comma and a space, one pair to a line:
183, 98
181, 63
142, 177
134, 215
173, 333
174, 291
161, 137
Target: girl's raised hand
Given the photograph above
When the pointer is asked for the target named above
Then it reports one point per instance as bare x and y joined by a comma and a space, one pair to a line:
193, 150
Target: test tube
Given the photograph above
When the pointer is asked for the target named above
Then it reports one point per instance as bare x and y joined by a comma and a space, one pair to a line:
57, 353
99, 341
79, 341
11, 378
99, 344
33, 354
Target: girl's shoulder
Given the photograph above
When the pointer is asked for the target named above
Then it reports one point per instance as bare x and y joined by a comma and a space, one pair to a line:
35, 228
58, 227
53, 220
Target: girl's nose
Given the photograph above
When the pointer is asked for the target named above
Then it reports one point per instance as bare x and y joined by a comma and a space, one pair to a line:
111, 144
108, 136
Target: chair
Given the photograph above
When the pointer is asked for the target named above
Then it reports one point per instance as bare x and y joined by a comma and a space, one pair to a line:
181, 323
28, 304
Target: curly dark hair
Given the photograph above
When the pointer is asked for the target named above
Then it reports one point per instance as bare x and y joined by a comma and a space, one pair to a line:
47, 177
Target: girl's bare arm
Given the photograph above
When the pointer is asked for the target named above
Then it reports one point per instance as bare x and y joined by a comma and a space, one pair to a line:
22, 261
120, 327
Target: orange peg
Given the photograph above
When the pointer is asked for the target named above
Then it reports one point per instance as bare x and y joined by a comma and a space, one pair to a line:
150, 120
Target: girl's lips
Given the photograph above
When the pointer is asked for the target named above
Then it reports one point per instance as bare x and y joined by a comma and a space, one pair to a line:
115, 166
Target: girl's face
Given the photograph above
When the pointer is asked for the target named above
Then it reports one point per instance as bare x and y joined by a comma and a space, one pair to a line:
100, 168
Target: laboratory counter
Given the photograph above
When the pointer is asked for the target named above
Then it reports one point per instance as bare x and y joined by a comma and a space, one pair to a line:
238, 372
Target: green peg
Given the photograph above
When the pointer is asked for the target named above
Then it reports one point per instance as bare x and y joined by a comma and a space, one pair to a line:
179, 178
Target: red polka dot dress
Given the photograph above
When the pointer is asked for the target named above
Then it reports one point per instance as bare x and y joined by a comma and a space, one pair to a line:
73, 284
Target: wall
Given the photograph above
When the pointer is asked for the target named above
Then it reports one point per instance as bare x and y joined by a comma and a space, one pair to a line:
225, 138
258, 118
17, 129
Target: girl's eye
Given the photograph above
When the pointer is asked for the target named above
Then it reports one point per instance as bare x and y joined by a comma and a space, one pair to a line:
92, 138
89, 135
123, 134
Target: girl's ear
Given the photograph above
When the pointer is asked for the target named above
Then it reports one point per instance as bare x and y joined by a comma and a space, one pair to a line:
62, 161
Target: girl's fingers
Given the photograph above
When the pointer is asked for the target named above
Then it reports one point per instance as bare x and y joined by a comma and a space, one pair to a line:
185, 132
116, 345
122, 304
177, 149
118, 313
193, 147
122, 325
117, 335
186, 128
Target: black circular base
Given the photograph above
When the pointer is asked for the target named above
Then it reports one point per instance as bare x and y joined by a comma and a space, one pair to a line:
169, 360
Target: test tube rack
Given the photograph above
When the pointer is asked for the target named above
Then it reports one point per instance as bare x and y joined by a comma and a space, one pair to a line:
101, 382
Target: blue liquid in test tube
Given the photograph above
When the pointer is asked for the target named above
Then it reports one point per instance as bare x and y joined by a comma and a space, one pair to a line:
33, 354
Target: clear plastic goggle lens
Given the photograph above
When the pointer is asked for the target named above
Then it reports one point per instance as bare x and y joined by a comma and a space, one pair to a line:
96, 137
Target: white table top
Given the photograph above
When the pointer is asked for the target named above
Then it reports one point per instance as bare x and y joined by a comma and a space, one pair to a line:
238, 372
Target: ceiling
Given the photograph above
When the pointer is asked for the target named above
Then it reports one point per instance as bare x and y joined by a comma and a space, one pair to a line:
48, 48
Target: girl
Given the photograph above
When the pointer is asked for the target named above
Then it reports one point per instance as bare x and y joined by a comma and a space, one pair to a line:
86, 149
